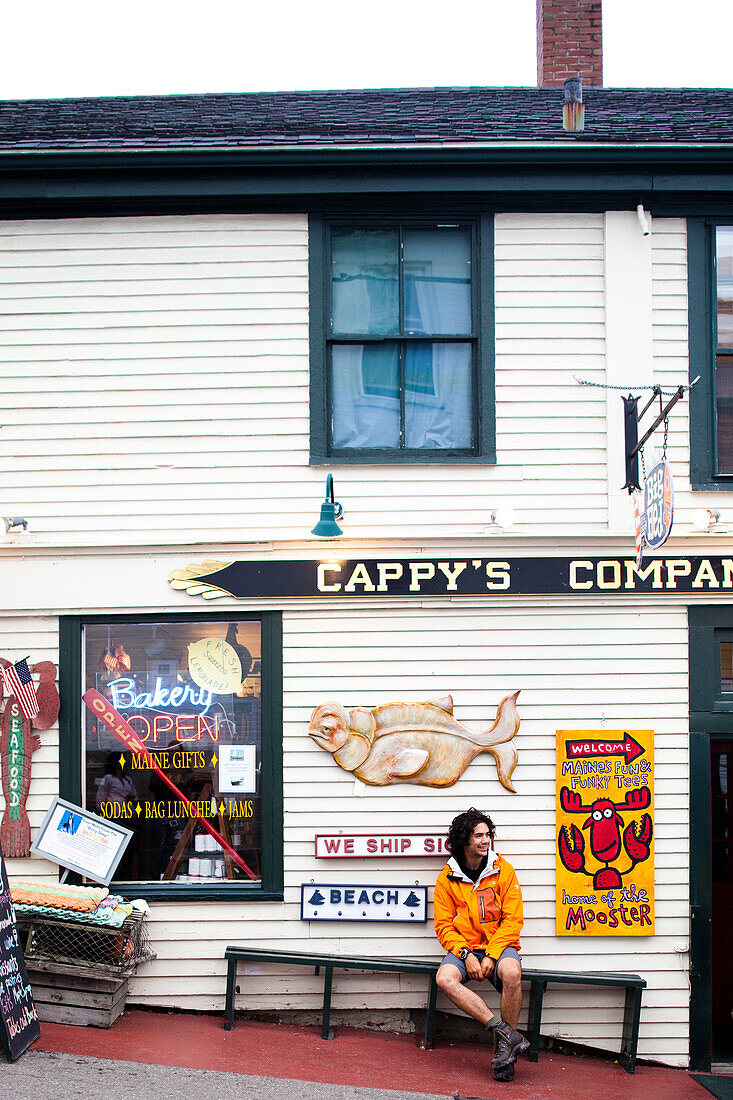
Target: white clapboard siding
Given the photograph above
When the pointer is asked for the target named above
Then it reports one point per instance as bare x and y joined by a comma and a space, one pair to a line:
671, 359
360, 655
169, 356
549, 325
669, 332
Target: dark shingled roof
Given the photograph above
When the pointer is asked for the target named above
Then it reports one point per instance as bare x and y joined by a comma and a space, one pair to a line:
385, 117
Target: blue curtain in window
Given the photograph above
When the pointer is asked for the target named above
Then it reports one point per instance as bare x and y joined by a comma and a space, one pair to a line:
365, 379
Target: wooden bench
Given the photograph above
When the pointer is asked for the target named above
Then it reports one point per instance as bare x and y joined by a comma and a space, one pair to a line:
538, 979
632, 983
235, 955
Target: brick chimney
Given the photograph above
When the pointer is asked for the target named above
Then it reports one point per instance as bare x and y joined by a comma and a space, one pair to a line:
569, 41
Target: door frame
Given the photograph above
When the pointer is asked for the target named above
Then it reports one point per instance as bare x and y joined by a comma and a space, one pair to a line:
711, 720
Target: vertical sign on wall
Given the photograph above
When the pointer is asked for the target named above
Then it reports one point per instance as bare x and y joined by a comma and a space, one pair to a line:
604, 883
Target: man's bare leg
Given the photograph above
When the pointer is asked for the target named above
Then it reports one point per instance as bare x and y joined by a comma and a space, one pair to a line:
448, 980
510, 972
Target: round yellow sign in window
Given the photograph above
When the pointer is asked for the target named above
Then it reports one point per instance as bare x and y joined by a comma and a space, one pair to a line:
213, 664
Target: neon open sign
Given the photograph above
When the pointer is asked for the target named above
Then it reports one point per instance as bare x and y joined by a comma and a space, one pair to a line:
184, 727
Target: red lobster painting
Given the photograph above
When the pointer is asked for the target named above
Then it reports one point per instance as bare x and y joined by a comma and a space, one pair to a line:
17, 745
605, 838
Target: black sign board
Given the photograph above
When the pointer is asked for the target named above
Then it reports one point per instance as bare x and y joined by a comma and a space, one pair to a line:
420, 577
18, 1017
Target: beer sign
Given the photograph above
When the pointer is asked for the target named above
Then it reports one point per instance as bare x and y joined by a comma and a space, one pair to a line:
658, 513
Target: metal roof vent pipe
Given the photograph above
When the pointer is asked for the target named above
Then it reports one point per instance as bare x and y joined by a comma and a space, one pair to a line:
573, 111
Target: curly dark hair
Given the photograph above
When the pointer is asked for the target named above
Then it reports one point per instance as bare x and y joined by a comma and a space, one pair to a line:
461, 828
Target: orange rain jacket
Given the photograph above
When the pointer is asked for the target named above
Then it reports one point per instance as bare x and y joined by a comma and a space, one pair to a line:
485, 915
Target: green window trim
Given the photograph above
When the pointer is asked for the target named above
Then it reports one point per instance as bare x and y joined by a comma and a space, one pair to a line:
70, 748
319, 274
702, 314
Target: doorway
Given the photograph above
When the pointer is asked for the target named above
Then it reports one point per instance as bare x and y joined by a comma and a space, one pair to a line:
711, 836
721, 863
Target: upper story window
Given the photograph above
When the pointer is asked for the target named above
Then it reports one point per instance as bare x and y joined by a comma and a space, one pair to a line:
710, 274
724, 347
401, 337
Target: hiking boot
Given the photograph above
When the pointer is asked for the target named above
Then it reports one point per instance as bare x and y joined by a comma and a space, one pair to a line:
509, 1043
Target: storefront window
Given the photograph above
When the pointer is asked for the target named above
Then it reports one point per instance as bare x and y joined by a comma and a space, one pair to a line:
192, 691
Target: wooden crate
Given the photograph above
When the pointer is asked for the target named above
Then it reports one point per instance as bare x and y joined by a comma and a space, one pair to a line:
67, 994
82, 943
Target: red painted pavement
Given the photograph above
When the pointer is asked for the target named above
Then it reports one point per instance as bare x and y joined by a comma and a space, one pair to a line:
368, 1058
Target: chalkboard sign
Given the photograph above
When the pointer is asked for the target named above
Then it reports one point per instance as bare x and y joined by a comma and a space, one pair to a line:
18, 1017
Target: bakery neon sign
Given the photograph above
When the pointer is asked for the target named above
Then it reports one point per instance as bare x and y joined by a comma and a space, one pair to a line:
124, 696
182, 726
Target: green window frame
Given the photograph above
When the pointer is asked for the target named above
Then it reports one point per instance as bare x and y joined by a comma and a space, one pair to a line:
705, 352
71, 725
481, 340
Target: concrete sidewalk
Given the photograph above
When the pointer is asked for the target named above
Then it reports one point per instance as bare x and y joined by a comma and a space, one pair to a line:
75, 1077
282, 1060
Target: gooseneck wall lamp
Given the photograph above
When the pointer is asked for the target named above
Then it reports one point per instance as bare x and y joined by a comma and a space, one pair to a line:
331, 510
707, 519
15, 523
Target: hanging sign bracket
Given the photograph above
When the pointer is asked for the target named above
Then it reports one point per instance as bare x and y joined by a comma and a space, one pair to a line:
632, 417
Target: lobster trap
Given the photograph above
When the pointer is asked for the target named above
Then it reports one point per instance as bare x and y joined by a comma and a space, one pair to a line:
113, 950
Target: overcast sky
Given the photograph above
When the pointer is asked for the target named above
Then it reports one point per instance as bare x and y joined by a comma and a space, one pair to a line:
138, 47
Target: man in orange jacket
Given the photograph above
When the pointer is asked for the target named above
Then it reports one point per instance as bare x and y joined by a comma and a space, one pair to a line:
478, 918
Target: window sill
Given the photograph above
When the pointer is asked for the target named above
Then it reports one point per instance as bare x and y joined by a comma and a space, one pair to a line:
187, 891
723, 483
415, 459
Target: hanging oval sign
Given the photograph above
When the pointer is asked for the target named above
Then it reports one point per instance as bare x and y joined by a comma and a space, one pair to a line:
658, 514
214, 664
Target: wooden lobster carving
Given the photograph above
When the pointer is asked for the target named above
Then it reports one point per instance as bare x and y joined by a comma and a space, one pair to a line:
17, 745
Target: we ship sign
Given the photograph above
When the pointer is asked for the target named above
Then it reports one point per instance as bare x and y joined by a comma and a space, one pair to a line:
379, 845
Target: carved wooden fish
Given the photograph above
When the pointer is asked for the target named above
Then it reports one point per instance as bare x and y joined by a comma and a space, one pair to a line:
414, 742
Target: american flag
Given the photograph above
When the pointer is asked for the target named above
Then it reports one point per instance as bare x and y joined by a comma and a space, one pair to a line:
19, 682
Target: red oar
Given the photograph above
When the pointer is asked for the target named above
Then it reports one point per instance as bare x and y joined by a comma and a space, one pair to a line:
102, 709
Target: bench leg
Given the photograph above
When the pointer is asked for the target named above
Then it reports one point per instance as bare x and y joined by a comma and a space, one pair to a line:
630, 1035
326, 1032
534, 1018
229, 1007
427, 1043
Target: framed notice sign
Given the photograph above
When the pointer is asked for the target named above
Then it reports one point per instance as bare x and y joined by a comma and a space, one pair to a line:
605, 833
81, 841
